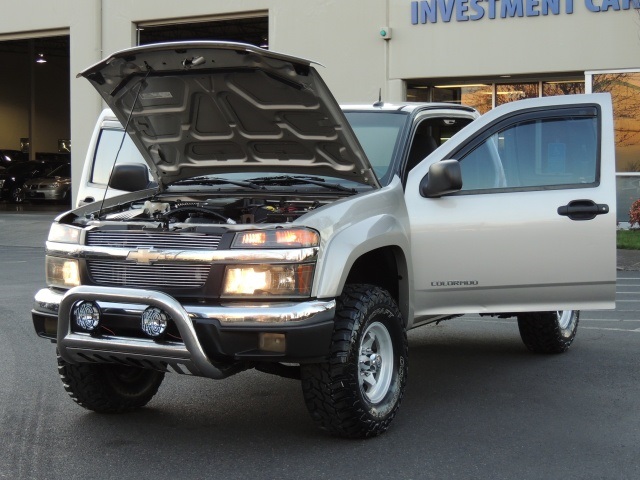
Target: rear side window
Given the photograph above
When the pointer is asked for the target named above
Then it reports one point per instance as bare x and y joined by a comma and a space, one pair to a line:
106, 151
534, 154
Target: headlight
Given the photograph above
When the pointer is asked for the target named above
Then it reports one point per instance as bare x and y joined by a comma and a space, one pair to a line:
2, 183
268, 280
64, 233
278, 238
62, 272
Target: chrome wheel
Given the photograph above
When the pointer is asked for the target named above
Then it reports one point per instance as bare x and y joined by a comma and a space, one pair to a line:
17, 195
358, 390
564, 318
548, 332
376, 362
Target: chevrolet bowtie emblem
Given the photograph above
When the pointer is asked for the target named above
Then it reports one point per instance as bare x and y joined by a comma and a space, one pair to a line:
146, 256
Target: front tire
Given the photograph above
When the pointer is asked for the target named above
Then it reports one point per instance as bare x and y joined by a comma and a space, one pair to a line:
548, 332
107, 388
357, 392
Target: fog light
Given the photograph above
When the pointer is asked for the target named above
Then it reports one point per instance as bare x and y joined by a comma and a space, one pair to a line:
273, 342
154, 321
87, 316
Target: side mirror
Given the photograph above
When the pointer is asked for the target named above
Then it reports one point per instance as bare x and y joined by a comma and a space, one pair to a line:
443, 177
129, 177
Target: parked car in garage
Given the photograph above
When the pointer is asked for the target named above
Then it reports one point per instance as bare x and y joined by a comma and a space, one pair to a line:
13, 178
56, 185
11, 157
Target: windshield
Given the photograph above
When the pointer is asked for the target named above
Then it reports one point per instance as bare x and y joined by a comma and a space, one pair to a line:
378, 133
61, 171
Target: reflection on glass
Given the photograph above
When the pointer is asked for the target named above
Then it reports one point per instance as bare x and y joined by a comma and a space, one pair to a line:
510, 92
627, 192
476, 96
564, 87
625, 94
418, 93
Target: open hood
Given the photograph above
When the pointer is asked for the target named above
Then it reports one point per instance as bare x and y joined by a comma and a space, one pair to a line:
198, 108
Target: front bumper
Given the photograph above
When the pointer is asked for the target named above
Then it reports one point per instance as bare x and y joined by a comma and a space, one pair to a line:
45, 193
214, 341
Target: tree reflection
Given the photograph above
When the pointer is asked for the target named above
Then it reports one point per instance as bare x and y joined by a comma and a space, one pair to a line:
625, 95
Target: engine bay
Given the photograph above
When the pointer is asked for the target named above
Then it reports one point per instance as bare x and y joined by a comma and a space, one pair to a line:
172, 212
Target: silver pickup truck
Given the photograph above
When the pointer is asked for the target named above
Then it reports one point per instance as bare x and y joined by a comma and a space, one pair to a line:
283, 233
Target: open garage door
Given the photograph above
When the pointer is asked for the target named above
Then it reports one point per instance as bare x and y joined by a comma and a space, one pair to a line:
34, 97
253, 29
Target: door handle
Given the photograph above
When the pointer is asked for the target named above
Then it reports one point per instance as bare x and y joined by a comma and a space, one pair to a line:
583, 209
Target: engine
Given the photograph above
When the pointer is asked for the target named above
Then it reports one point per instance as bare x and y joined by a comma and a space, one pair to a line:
215, 211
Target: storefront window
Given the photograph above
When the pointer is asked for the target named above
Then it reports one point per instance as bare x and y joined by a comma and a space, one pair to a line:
625, 95
565, 87
483, 95
476, 96
510, 92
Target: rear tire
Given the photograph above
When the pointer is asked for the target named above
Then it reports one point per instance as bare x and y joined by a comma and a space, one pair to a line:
107, 388
358, 391
548, 332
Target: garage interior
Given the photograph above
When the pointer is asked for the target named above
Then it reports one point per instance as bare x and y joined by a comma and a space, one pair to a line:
35, 80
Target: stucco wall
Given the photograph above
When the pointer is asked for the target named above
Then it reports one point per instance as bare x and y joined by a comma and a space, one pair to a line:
343, 35
578, 41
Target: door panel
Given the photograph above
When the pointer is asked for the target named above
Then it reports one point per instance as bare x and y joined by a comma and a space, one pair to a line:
505, 242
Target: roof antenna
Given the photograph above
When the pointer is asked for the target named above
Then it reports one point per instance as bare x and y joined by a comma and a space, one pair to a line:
379, 103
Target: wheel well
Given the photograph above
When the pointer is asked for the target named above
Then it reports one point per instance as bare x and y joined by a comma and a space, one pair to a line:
386, 268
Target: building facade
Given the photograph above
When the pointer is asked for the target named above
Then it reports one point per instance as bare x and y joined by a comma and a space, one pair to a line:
478, 52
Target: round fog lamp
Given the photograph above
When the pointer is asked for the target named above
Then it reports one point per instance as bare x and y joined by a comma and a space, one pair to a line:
154, 321
87, 316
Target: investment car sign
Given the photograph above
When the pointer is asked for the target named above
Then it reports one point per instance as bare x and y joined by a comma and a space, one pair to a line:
430, 11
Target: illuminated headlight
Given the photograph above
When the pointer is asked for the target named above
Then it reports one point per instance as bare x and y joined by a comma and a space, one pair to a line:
62, 272
268, 280
278, 238
64, 233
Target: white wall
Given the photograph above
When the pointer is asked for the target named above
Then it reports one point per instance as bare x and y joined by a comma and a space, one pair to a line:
342, 35
580, 41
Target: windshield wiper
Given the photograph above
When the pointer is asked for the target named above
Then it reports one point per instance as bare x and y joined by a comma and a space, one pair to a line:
298, 180
216, 181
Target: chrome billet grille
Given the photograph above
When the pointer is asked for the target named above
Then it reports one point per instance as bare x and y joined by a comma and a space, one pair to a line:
108, 272
162, 240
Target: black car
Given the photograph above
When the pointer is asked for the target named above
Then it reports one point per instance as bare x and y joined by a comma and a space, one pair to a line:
12, 178
11, 157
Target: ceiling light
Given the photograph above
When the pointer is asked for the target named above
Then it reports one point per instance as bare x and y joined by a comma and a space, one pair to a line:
40, 58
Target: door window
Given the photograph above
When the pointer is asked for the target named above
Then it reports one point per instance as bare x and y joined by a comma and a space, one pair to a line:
534, 154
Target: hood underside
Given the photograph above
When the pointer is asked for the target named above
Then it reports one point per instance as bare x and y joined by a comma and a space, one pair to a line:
199, 108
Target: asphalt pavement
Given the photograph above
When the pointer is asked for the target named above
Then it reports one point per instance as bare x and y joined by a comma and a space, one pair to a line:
478, 405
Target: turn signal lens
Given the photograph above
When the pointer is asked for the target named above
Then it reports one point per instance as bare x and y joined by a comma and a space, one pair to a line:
64, 233
297, 238
253, 239
280, 238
